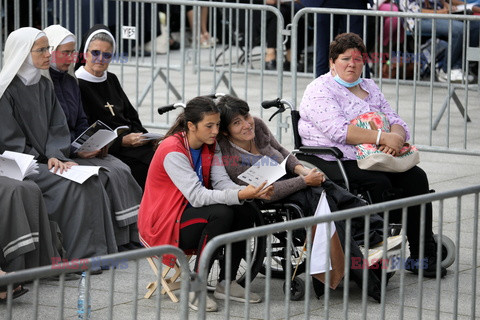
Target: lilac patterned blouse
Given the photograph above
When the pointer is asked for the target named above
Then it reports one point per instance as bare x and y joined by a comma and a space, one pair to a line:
327, 109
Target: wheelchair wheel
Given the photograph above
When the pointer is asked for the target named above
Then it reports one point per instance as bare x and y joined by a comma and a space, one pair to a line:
258, 248
448, 250
278, 264
297, 289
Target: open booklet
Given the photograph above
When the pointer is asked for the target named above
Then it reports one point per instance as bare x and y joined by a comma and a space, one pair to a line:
97, 136
265, 169
79, 174
17, 165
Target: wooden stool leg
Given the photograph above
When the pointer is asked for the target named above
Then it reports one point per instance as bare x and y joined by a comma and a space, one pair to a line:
152, 286
168, 284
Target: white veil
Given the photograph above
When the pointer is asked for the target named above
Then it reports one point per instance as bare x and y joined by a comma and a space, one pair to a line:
17, 58
58, 35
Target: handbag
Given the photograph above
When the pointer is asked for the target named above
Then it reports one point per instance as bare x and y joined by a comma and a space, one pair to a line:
370, 158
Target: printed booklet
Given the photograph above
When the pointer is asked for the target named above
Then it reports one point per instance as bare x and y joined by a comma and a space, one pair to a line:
265, 169
97, 136
17, 165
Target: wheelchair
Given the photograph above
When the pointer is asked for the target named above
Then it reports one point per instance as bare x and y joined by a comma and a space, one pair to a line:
306, 153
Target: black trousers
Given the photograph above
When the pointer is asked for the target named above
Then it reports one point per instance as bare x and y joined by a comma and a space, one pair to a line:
384, 186
200, 225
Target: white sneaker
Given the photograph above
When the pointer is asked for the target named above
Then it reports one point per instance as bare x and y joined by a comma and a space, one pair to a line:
442, 76
211, 305
161, 45
456, 76
237, 293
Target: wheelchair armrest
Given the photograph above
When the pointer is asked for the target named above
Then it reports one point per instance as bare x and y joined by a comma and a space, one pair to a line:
332, 151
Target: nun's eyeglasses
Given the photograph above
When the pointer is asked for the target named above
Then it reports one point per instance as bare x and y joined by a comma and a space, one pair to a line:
105, 55
43, 50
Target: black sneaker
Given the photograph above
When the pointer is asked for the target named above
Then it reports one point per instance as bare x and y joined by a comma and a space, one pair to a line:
271, 65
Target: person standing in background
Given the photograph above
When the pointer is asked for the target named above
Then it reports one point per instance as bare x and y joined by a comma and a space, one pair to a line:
339, 26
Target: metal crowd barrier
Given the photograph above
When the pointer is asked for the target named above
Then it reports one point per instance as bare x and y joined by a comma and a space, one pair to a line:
116, 297
408, 296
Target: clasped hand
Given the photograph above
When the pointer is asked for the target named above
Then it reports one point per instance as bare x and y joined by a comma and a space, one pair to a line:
393, 143
252, 192
314, 178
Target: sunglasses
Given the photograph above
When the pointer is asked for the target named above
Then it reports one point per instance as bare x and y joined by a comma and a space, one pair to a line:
105, 55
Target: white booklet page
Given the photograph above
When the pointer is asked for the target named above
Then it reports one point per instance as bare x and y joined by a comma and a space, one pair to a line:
265, 169
79, 174
17, 165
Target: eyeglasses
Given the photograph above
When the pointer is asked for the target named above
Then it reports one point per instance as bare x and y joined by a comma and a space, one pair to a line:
43, 50
105, 55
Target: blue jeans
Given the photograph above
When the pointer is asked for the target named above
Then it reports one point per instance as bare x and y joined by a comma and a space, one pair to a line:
339, 26
456, 42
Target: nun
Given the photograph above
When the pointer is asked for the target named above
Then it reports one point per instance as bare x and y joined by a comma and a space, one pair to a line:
25, 233
123, 191
104, 99
33, 122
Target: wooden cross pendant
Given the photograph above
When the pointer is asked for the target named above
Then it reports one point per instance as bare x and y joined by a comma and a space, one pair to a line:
110, 106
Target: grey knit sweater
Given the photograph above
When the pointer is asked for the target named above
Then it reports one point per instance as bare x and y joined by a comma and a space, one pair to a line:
237, 160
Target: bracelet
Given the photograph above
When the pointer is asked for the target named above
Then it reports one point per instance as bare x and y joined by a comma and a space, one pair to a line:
378, 137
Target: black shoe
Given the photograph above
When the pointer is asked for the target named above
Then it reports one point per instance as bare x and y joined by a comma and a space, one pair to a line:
286, 66
318, 287
374, 292
136, 245
174, 45
271, 65
129, 246
429, 266
16, 293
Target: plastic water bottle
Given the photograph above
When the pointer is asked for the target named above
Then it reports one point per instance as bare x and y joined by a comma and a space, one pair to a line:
84, 308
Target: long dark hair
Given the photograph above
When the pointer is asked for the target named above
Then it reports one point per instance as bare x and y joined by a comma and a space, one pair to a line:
230, 107
194, 112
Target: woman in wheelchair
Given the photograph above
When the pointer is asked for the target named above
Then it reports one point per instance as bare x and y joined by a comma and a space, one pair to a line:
244, 139
189, 200
328, 105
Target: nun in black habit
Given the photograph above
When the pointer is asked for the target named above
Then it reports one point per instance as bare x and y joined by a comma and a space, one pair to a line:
104, 99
